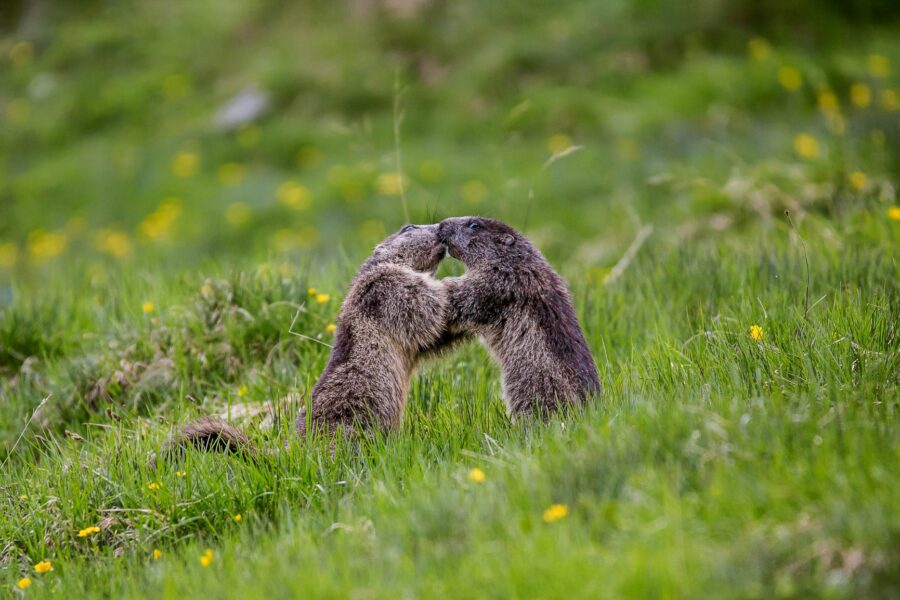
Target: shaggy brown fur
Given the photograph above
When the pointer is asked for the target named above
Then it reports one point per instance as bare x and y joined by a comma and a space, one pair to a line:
394, 314
517, 303
208, 433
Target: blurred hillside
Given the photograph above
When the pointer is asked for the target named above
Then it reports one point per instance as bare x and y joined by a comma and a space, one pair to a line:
167, 133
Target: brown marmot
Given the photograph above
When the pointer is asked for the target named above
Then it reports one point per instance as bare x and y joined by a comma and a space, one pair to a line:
521, 308
394, 313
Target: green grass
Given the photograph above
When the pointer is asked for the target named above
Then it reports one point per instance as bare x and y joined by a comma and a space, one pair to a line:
715, 465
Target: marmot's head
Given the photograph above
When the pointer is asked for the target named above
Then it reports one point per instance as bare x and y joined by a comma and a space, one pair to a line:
477, 241
414, 246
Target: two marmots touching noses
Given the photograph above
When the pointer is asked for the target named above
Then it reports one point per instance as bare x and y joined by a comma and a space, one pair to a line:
396, 313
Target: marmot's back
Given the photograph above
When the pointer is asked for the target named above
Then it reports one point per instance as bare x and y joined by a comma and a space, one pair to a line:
513, 298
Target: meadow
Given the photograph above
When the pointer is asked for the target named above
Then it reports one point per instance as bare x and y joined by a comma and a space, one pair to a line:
186, 190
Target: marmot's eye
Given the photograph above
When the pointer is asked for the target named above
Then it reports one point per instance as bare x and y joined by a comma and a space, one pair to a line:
473, 225
407, 228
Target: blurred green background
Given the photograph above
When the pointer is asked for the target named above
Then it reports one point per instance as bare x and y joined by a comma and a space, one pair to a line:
186, 185
170, 133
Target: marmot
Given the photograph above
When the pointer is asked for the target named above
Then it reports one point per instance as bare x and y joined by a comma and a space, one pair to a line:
521, 308
394, 313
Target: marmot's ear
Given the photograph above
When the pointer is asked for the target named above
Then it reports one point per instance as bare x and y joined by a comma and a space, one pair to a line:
506, 239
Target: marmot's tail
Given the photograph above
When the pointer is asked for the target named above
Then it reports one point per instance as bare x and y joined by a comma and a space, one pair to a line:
208, 433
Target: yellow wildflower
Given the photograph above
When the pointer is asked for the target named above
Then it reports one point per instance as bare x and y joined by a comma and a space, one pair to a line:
237, 518
555, 513
237, 213
806, 146
159, 222
756, 332
113, 242
45, 566
180, 473
390, 184
477, 475
248, 136
828, 102
157, 554
88, 531
293, 195
9, 252
890, 100
860, 95
473, 191
759, 49
288, 239
75, 225
185, 164
322, 298
231, 173
242, 391
24, 583
175, 86
330, 328
311, 291
858, 180
790, 78
558, 143
153, 486
894, 213
308, 157
836, 123
43, 244
207, 558
878, 65
21, 54
147, 307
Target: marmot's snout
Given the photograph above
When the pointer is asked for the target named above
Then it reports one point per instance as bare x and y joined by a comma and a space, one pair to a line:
448, 235
442, 232
444, 238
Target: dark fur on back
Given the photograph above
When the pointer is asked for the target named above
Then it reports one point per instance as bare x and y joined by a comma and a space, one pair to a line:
512, 297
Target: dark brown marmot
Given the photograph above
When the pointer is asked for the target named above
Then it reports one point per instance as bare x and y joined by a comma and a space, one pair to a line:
521, 308
394, 313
